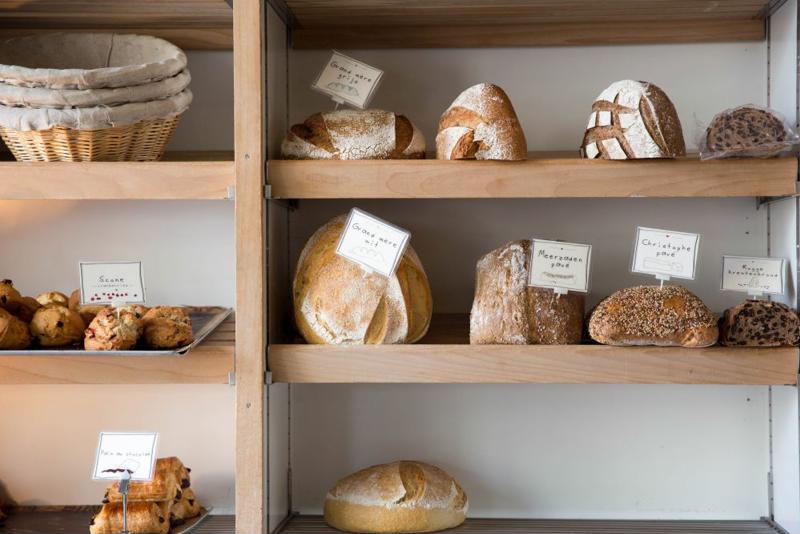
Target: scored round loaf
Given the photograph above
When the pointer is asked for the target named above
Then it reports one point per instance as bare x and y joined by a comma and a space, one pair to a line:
354, 134
507, 311
336, 301
759, 323
404, 496
747, 131
481, 124
671, 316
633, 120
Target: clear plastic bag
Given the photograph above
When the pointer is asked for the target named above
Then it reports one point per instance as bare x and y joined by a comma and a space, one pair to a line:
748, 131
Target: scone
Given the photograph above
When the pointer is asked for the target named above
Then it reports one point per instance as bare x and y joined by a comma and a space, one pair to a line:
27, 308
167, 327
136, 309
759, 323
53, 297
186, 508
57, 326
86, 311
113, 329
143, 518
14, 333
170, 479
9, 296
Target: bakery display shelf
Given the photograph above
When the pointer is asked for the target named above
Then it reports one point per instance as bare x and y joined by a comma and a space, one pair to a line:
211, 362
179, 176
190, 24
315, 525
445, 356
544, 175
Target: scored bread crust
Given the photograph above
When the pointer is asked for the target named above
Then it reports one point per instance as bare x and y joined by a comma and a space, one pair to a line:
337, 302
404, 496
354, 134
671, 316
759, 323
481, 124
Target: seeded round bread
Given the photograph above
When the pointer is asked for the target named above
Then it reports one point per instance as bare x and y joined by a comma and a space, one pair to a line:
649, 315
759, 323
747, 131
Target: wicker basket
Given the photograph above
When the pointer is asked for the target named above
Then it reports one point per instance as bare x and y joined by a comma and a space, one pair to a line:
142, 141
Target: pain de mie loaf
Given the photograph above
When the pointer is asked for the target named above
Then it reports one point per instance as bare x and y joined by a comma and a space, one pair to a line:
481, 124
337, 302
354, 134
507, 311
633, 120
671, 316
404, 496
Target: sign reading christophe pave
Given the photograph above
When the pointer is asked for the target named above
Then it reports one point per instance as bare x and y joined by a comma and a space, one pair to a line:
665, 253
560, 265
372, 242
345, 79
110, 282
120, 451
753, 275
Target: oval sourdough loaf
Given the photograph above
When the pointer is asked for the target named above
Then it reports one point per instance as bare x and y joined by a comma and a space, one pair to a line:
336, 301
759, 323
403, 496
633, 120
506, 311
354, 134
481, 124
747, 131
649, 315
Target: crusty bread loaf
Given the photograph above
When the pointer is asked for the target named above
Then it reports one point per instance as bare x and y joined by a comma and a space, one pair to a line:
337, 301
506, 311
403, 496
354, 134
650, 315
759, 323
633, 120
481, 124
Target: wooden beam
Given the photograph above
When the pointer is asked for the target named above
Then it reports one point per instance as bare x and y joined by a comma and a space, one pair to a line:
251, 341
194, 38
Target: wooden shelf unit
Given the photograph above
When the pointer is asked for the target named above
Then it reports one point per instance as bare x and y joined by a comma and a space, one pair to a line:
208, 363
180, 176
542, 176
459, 23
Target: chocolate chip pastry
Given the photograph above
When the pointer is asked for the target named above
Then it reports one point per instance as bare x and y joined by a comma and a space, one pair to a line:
14, 333
170, 479
747, 131
759, 323
186, 508
9, 296
143, 518
167, 327
57, 326
113, 329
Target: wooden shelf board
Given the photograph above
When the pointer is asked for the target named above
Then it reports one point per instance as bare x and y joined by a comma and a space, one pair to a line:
445, 356
208, 363
184, 175
542, 176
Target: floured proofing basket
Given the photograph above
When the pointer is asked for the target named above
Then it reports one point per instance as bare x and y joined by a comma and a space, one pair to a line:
91, 97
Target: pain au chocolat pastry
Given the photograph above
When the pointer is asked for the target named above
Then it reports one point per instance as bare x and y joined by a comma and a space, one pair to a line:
57, 326
14, 333
186, 508
167, 327
170, 479
113, 329
143, 518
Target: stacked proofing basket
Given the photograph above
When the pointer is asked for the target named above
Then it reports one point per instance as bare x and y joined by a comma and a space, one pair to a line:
91, 96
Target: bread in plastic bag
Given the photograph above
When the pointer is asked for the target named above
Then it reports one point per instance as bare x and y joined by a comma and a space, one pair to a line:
748, 131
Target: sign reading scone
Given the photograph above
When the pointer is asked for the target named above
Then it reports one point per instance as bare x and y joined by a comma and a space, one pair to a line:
111, 282
372, 242
665, 254
561, 266
754, 276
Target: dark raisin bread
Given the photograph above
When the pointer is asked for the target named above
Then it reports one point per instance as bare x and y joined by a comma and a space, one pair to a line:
759, 323
747, 131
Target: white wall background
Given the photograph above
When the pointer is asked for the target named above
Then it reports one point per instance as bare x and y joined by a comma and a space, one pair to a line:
48, 434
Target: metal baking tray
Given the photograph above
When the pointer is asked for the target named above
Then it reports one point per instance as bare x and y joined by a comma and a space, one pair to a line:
205, 319
72, 520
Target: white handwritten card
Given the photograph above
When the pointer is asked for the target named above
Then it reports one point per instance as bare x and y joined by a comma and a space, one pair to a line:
118, 452
753, 275
560, 265
665, 253
348, 80
112, 282
372, 242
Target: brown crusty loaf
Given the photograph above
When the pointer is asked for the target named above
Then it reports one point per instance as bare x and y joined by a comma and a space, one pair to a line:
481, 124
649, 315
336, 301
633, 120
746, 131
506, 311
403, 496
759, 323
354, 134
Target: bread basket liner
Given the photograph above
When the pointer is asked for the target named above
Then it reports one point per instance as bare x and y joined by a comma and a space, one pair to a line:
109, 60
18, 96
94, 118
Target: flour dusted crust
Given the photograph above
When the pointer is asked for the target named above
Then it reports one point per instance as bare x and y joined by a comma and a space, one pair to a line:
404, 496
113, 329
649, 315
337, 302
633, 120
481, 124
14, 333
143, 518
167, 327
747, 131
759, 323
55, 326
354, 134
170, 479
506, 311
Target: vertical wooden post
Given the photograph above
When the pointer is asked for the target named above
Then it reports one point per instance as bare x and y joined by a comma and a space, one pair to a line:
250, 144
